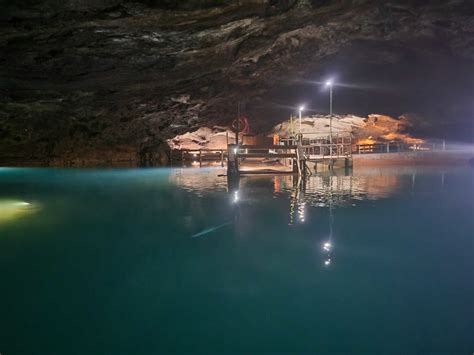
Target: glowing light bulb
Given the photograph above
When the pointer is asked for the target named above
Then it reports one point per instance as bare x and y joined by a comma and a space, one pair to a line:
329, 83
327, 262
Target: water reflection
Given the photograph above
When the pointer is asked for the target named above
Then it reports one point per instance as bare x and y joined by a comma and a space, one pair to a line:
328, 244
337, 190
300, 203
199, 181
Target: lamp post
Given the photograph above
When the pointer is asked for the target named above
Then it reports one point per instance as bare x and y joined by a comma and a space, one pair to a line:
300, 109
329, 84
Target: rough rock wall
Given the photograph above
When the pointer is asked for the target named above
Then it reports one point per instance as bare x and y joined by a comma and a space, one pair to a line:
121, 77
376, 128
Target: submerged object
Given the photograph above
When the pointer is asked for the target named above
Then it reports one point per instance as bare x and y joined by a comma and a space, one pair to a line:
11, 209
210, 230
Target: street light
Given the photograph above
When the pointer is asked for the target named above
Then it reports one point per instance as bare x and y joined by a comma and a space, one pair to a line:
329, 84
300, 109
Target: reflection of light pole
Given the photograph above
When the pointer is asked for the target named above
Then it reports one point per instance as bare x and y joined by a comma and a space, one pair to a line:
301, 108
329, 83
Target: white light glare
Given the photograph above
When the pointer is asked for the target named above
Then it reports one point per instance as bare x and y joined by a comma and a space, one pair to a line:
301, 108
327, 246
329, 83
301, 212
327, 262
235, 150
236, 196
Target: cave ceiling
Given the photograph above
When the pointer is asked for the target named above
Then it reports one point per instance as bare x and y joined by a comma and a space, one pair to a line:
76, 77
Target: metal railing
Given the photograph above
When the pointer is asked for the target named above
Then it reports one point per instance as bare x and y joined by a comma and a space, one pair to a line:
198, 156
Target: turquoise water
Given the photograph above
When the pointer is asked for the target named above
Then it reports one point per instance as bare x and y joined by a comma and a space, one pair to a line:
169, 261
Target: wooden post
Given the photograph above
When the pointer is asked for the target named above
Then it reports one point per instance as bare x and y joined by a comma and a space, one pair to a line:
232, 160
200, 158
238, 126
222, 157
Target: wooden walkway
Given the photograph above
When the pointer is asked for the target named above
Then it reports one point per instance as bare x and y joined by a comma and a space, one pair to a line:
291, 156
198, 156
261, 159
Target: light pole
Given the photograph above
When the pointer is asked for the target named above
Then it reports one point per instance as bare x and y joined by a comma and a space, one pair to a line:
300, 109
329, 83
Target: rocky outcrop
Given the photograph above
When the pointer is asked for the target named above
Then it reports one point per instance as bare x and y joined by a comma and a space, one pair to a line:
112, 80
374, 128
203, 138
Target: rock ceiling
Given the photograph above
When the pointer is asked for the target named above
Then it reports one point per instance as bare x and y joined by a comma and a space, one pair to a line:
122, 78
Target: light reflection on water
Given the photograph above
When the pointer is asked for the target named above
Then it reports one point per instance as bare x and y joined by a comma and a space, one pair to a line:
326, 191
315, 190
199, 181
340, 188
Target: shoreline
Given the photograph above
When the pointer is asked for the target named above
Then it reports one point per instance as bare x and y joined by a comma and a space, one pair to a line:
413, 158
423, 158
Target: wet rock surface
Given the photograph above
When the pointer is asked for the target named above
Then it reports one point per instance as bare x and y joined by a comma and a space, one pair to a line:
109, 83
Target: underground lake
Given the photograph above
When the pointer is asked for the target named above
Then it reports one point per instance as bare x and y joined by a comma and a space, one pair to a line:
122, 261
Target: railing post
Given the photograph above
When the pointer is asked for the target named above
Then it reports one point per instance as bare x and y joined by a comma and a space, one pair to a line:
232, 160
222, 157
388, 147
200, 159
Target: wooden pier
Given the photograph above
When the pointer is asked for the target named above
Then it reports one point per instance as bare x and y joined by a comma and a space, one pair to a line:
198, 156
294, 155
301, 154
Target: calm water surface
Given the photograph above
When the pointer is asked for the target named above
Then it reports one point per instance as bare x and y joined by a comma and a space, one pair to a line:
172, 260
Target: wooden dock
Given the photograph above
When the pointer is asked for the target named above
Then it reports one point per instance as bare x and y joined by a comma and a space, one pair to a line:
292, 156
198, 156
295, 155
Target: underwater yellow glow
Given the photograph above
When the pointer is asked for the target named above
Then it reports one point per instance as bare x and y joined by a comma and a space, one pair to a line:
13, 209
